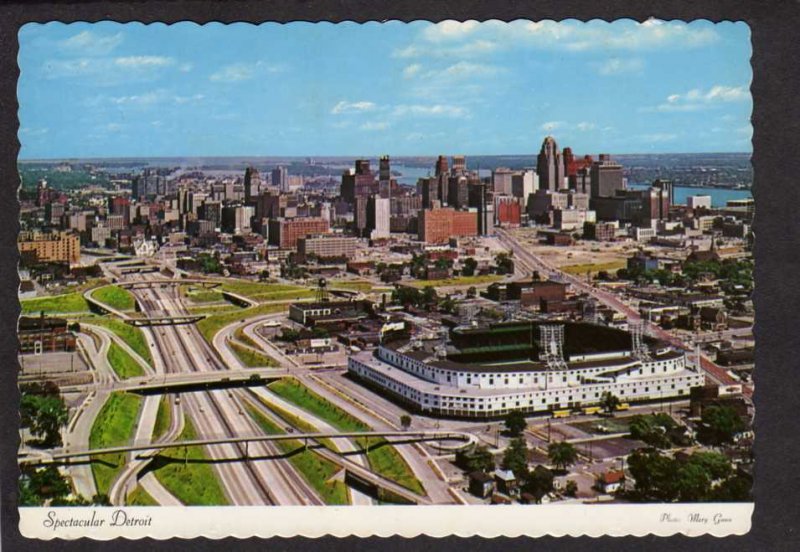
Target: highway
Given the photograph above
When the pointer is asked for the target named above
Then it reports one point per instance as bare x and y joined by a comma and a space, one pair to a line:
714, 372
219, 413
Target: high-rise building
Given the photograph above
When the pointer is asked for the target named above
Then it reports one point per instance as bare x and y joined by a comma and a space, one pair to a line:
236, 219
549, 166
459, 165
439, 225
385, 177
441, 165
280, 178
524, 183
359, 182
285, 232
501, 181
378, 216
50, 247
429, 191
606, 177
252, 184
480, 199
457, 193
211, 211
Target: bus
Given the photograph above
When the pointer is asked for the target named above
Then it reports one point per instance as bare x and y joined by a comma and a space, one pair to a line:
623, 406
561, 413
590, 410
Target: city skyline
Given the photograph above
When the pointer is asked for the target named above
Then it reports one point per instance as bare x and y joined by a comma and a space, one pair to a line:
408, 89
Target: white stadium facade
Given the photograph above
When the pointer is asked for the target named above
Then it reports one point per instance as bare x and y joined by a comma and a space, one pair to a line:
488, 372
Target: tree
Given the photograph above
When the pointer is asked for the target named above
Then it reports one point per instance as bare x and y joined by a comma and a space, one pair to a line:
733, 489
504, 263
429, 297
472, 291
478, 459
405, 421
571, 488
469, 267
515, 423
609, 402
692, 483
515, 457
654, 474
720, 424
43, 412
562, 454
715, 464
538, 482
406, 296
647, 429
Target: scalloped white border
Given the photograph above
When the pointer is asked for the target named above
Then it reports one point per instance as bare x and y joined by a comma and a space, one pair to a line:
406, 521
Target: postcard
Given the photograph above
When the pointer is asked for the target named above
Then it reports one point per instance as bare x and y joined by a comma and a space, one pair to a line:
455, 278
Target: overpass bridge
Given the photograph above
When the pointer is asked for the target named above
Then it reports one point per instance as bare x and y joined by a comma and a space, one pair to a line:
165, 320
163, 282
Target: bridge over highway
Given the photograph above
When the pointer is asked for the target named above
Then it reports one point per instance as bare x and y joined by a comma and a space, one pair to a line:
162, 282
165, 320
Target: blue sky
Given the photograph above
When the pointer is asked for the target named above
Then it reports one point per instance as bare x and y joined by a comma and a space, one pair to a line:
114, 90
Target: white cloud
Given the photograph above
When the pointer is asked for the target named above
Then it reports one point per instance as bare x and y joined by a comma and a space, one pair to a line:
698, 99
352, 107
382, 125
618, 66
472, 38
148, 98
237, 72
185, 67
136, 62
436, 110
412, 70
552, 125
89, 43
467, 70
585, 126
449, 30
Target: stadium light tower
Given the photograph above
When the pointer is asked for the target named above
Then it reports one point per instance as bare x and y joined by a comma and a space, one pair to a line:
551, 346
639, 347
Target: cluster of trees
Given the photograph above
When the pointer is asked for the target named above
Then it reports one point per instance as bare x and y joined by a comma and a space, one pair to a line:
290, 335
427, 298
45, 486
469, 266
730, 272
703, 477
719, 425
538, 481
43, 412
293, 271
658, 430
209, 264
505, 265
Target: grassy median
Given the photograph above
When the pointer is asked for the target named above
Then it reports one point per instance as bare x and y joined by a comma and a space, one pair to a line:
114, 426
163, 418
314, 468
122, 363
186, 473
131, 335
251, 358
140, 497
55, 304
115, 297
458, 281
383, 458
212, 324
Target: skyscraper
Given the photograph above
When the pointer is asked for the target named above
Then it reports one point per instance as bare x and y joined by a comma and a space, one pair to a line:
459, 164
385, 177
606, 177
252, 184
550, 166
280, 178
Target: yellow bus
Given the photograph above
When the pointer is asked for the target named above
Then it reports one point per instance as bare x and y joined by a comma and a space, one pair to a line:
561, 413
589, 410
623, 406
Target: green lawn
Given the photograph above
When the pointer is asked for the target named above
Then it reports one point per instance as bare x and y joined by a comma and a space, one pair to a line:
252, 359
140, 497
213, 308
383, 459
69, 302
131, 335
458, 281
115, 297
241, 336
581, 269
264, 291
210, 325
123, 363
351, 285
295, 421
194, 482
113, 426
163, 418
204, 296
314, 468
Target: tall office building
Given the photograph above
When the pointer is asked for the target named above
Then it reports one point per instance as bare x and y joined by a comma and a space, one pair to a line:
280, 178
457, 192
550, 166
385, 177
480, 199
359, 182
459, 164
606, 177
501, 181
524, 183
252, 184
378, 217
441, 165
